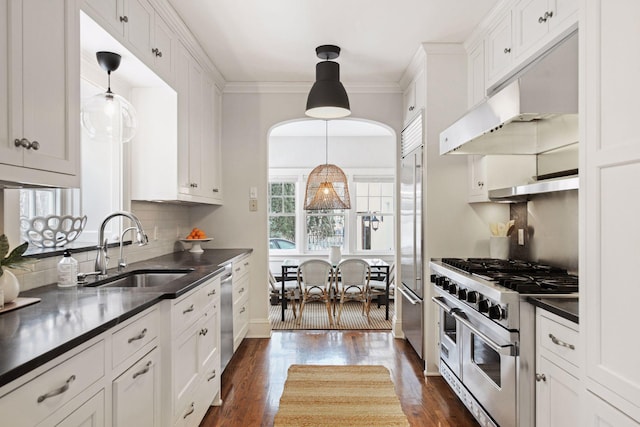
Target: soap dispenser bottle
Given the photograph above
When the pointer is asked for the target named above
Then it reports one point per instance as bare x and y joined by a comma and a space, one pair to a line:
67, 271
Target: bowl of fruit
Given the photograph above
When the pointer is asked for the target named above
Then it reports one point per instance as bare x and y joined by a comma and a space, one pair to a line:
196, 237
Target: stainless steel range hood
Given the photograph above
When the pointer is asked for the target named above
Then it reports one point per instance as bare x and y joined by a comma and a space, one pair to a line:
520, 193
509, 122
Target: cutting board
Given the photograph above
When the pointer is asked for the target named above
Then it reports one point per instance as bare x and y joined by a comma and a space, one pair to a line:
18, 303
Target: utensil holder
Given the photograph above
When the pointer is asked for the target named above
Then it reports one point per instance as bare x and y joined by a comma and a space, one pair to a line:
499, 247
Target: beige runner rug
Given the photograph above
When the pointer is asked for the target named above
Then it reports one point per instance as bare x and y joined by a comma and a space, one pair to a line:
352, 395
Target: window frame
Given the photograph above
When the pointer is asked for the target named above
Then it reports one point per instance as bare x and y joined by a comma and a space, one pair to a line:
285, 180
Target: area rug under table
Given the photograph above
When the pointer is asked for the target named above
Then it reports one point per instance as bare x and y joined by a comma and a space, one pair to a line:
349, 395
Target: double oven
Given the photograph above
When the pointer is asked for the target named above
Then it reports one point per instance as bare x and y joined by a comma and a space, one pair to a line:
487, 338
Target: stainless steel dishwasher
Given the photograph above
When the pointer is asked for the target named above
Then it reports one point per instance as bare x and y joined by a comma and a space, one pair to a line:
226, 316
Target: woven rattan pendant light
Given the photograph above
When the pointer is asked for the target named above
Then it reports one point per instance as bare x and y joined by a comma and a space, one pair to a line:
327, 185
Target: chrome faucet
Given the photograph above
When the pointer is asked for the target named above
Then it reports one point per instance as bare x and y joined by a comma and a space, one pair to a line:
122, 263
101, 258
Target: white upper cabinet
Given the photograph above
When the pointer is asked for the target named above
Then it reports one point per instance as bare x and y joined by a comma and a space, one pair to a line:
539, 21
609, 173
39, 92
499, 48
414, 96
140, 28
476, 74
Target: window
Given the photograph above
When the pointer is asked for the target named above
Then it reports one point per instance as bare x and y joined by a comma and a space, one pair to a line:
374, 214
282, 215
324, 229
44, 202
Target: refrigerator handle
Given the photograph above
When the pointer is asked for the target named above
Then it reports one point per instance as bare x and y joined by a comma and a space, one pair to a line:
413, 300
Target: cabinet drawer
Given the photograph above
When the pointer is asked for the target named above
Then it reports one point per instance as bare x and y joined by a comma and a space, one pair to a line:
240, 321
134, 336
210, 292
185, 312
241, 267
240, 289
558, 339
42, 396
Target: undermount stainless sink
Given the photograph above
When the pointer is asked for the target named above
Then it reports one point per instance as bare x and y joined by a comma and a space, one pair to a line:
142, 279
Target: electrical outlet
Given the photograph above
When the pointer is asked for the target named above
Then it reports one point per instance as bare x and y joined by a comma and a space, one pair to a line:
253, 205
521, 236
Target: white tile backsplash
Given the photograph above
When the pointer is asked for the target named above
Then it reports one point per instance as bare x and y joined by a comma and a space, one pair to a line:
172, 222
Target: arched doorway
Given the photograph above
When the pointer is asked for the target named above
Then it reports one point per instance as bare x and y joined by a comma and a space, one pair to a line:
366, 152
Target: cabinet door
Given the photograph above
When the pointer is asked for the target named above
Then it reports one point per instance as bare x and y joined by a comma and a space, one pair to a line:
597, 412
531, 23
476, 179
186, 368
208, 339
210, 158
111, 13
610, 170
182, 85
136, 394
9, 153
557, 396
564, 13
476, 74
499, 49
48, 109
163, 43
409, 102
90, 414
139, 26
195, 128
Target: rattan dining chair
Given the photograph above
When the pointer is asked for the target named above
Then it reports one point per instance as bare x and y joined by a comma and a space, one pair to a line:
352, 283
315, 279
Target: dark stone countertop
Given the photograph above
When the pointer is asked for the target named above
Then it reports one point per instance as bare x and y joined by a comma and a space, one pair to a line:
566, 308
66, 317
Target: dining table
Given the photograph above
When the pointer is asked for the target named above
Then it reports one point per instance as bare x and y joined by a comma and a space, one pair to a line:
377, 265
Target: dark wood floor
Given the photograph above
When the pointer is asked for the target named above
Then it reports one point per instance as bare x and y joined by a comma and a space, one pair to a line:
254, 379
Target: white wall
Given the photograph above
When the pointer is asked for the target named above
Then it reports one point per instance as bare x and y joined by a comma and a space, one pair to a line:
247, 120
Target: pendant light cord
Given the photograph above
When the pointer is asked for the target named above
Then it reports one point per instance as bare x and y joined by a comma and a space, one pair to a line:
109, 82
326, 144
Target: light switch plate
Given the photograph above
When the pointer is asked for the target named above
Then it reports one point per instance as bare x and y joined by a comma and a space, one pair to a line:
253, 193
253, 205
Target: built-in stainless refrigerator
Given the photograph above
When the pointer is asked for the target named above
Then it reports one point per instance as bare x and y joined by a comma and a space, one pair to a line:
411, 239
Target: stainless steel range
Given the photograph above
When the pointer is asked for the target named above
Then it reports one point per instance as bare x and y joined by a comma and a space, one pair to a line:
487, 332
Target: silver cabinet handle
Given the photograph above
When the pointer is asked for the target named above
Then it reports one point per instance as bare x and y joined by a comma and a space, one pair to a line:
507, 50
157, 52
124, 19
143, 370
545, 17
556, 341
241, 290
25, 143
138, 337
242, 310
237, 269
213, 292
191, 409
204, 331
213, 375
246, 264
215, 190
57, 391
188, 310
541, 377
412, 108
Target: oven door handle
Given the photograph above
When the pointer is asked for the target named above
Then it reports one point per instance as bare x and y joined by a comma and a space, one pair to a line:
441, 302
409, 298
507, 349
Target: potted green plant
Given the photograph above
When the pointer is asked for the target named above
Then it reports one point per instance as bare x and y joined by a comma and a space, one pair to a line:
8, 281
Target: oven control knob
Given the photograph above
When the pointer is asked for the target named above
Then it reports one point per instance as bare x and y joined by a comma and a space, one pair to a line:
434, 278
472, 297
496, 312
462, 294
440, 281
483, 306
453, 289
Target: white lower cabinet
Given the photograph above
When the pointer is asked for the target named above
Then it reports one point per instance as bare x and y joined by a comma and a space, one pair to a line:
241, 286
191, 355
557, 371
136, 394
89, 414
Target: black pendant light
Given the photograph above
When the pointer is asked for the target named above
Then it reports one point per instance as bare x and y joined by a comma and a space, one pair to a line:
328, 99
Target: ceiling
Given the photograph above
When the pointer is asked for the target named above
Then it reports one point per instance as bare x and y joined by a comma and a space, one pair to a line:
345, 127
275, 40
